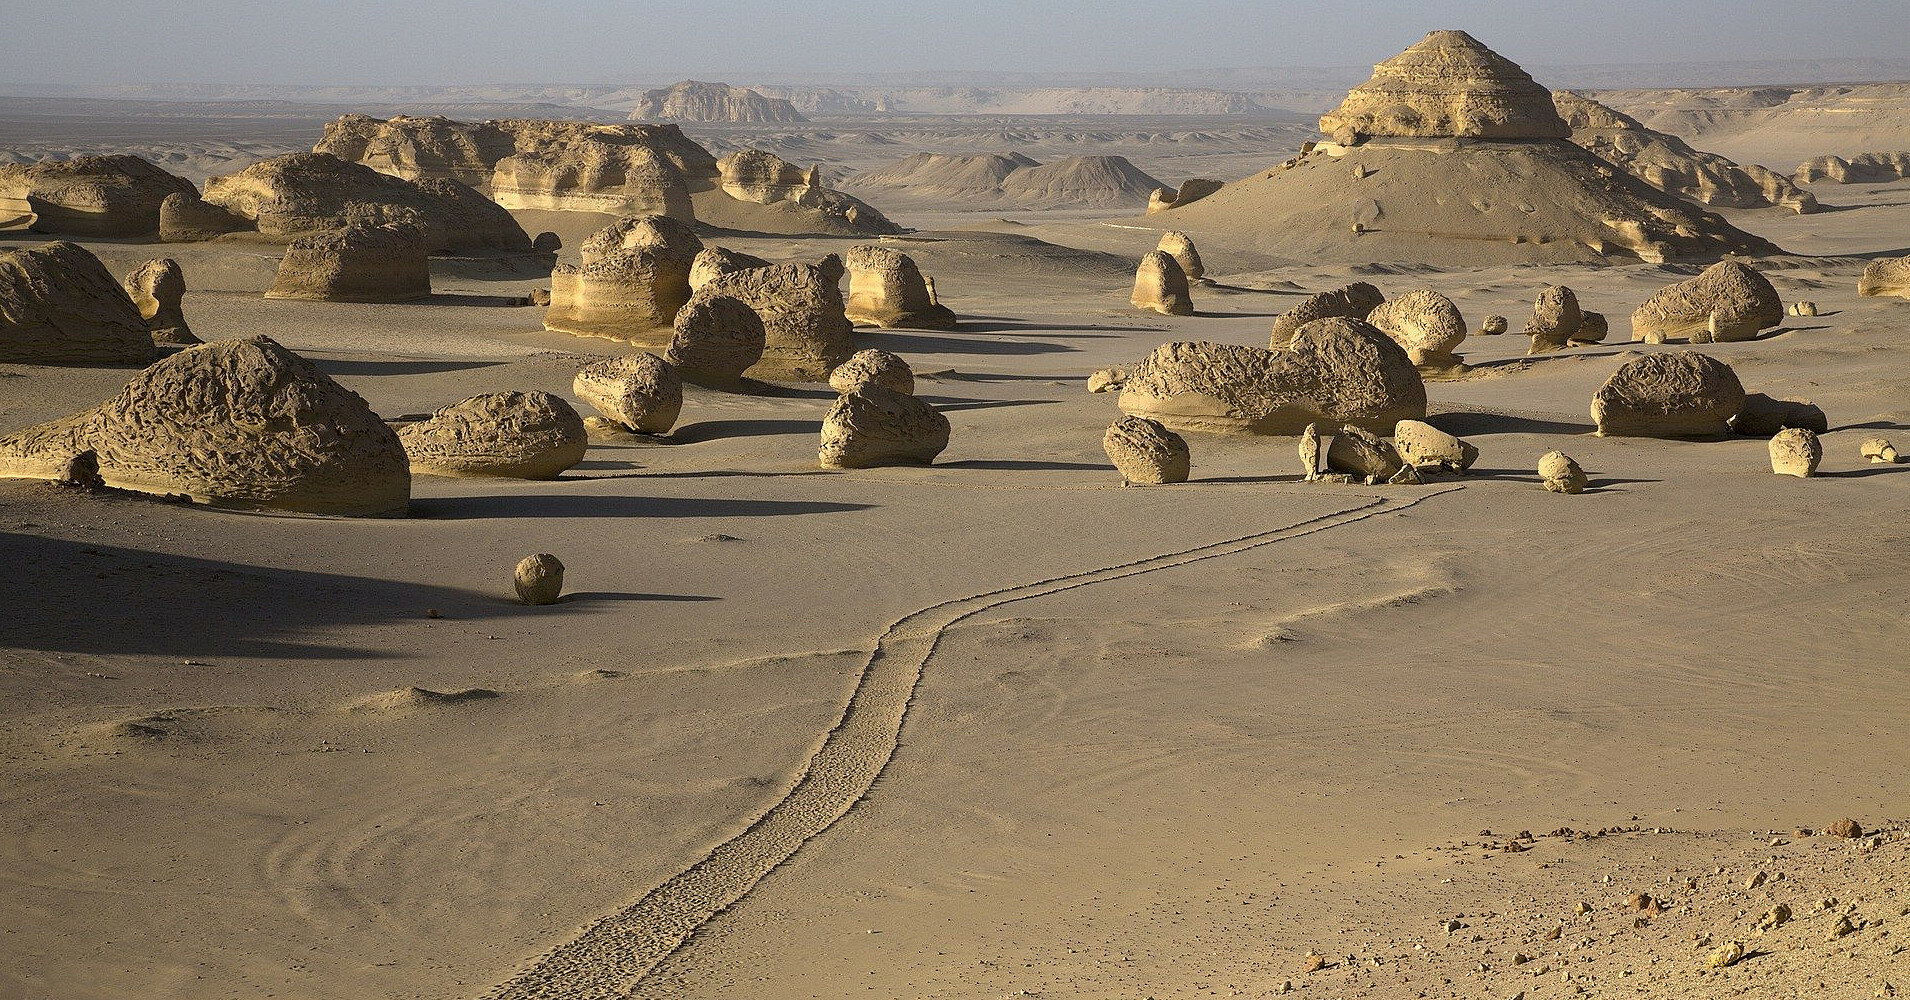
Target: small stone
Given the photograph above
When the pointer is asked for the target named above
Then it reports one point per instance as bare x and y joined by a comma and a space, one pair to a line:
1310, 452
432, 613
1795, 452
1805, 308
1774, 917
1878, 450
1845, 828
1408, 475
1757, 879
1520, 958
1730, 954
1842, 927
1555, 933
540, 579
1314, 962
1561, 474
1107, 380
1582, 908
1493, 325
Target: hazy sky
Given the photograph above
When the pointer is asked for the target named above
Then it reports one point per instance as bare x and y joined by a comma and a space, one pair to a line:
606, 41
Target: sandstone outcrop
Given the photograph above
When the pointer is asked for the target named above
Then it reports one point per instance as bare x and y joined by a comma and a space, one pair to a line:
1423, 322
695, 101
1421, 444
111, 196
304, 193
887, 290
1354, 301
1181, 248
1191, 190
1667, 163
714, 261
639, 392
1560, 474
538, 579
1160, 286
188, 218
355, 264
633, 277
1741, 299
755, 177
1362, 455
241, 423
156, 289
805, 332
1144, 451
59, 305
1796, 452
877, 426
1556, 318
1335, 371
1682, 394
513, 435
1446, 85
1867, 168
716, 339
873, 367
1890, 276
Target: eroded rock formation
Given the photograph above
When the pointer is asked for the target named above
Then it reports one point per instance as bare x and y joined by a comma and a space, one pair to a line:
1727, 301
303, 193
1145, 451
639, 392
1423, 322
354, 264
1446, 85
157, 289
1354, 301
1667, 163
513, 435
805, 332
873, 367
112, 196
1160, 286
887, 290
877, 426
633, 277
59, 305
1681, 394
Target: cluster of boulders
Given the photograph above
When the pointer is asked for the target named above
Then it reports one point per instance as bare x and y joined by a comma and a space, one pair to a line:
1354, 455
1558, 322
877, 419
59, 305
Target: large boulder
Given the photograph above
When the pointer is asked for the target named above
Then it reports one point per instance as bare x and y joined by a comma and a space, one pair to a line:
303, 193
1423, 322
1743, 301
1796, 452
887, 290
638, 392
634, 277
111, 196
594, 177
1556, 319
156, 289
511, 435
1335, 371
1161, 286
1421, 444
805, 331
1447, 85
1354, 301
59, 305
717, 338
1682, 394
242, 423
877, 426
1890, 276
1180, 247
354, 264
1145, 451
188, 218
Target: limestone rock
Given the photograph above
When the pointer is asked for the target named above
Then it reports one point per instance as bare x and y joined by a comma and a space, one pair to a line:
1359, 453
1803, 308
242, 423
712, 262
634, 277
1310, 452
1560, 474
356, 264
59, 305
1865, 168
1181, 248
1667, 163
878, 426
1107, 380
1335, 371
1408, 475
639, 392
1420, 443
156, 288
1191, 190
1146, 452
717, 338
1447, 85
1796, 452
1493, 326
1592, 329
1556, 318
1683, 394
1743, 298
805, 332
1423, 322
305, 193
756, 177
887, 290
1160, 286
1890, 276
1878, 450
513, 435
695, 101
1354, 301
539, 579
1848, 829
1762, 416
1726, 955
872, 367
188, 218
111, 196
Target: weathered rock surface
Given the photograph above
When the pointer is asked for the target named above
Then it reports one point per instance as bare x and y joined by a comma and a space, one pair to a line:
1890, 276
539, 579
1447, 85
240, 422
873, 367
1556, 318
1878, 451
1362, 454
1161, 287
752, 176
1682, 394
188, 218
715, 261
1144, 451
1354, 301
1796, 452
639, 392
1191, 190
1866, 168
1744, 300
514, 435
1560, 474
355, 264
1423, 322
887, 290
805, 332
1420, 443
633, 277
716, 339
877, 426
1667, 163
696, 101
1180, 247
59, 305
111, 196
156, 289
305, 193
1493, 325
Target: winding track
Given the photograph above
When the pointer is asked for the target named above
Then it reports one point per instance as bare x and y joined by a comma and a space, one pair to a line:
611, 956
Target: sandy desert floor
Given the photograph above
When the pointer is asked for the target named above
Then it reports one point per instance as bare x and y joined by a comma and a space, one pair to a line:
1149, 742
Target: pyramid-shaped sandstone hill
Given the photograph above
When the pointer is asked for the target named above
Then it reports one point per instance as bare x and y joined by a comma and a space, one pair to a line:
1452, 154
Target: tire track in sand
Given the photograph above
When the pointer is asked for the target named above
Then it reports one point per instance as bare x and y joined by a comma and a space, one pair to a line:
612, 956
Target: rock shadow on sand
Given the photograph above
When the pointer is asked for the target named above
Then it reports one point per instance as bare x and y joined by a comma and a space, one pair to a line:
541, 505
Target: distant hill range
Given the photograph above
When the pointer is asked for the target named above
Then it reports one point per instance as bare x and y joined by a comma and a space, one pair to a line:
695, 101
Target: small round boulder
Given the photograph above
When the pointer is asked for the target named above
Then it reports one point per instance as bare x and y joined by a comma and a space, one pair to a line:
1145, 451
641, 392
1560, 473
1796, 452
1878, 450
540, 579
1493, 325
873, 367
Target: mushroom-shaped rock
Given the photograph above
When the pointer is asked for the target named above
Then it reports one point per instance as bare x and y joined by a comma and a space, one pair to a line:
1795, 452
873, 367
1763, 416
805, 332
1448, 85
242, 423
887, 290
1420, 443
633, 277
1493, 326
1146, 452
539, 579
878, 426
1803, 308
1181, 248
59, 305
1890, 276
717, 339
1161, 286
1683, 394
1423, 322
1354, 301
1556, 317
1560, 474
156, 288
1335, 371
639, 392
513, 435
1362, 454
1743, 299
1878, 450
357, 264
188, 218
712, 262
115, 195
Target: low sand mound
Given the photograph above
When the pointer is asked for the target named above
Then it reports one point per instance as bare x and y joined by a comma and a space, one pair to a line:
412, 699
1667, 163
998, 180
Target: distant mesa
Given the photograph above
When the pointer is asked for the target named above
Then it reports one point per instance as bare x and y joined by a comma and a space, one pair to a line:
1669, 164
111, 196
695, 101
1012, 180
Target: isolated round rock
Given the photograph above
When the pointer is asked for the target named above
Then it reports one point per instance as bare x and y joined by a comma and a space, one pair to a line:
1796, 452
1684, 394
59, 305
1146, 452
878, 426
1420, 443
1493, 325
512, 435
1423, 322
1560, 474
1161, 286
1804, 308
1556, 317
539, 579
640, 391
716, 340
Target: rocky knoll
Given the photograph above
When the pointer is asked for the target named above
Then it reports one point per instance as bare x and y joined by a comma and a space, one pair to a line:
695, 101
1667, 163
304, 193
1447, 85
59, 305
89, 195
